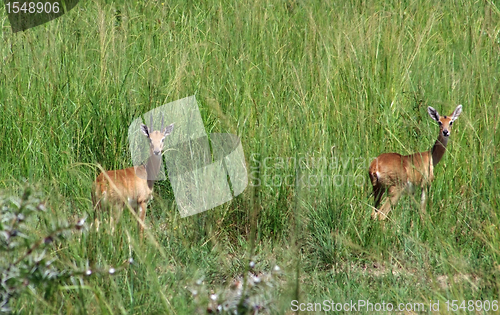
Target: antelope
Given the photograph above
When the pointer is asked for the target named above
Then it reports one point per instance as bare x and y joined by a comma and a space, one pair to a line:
402, 173
134, 184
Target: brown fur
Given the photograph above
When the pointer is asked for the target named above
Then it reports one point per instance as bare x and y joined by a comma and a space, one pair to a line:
133, 185
396, 173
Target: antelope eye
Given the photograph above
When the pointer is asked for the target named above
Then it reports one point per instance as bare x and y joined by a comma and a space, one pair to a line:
451, 123
440, 123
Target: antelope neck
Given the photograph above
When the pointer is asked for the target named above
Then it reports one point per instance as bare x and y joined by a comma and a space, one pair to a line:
439, 148
153, 168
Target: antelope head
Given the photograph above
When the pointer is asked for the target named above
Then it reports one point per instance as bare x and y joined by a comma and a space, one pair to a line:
156, 138
446, 121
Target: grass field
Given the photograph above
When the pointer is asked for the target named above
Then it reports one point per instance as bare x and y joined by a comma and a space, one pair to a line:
315, 90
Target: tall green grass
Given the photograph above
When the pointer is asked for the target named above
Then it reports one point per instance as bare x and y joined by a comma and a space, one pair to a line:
314, 90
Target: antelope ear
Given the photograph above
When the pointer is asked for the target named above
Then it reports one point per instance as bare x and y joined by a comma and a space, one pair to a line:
168, 130
145, 130
456, 113
433, 113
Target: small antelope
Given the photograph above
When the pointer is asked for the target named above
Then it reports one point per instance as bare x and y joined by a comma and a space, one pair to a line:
132, 185
398, 173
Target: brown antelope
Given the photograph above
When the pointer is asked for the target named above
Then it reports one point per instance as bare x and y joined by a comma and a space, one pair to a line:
397, 173
134, 184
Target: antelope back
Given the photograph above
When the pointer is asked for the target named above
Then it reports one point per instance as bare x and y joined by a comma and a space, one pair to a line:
125, 186
419, 168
